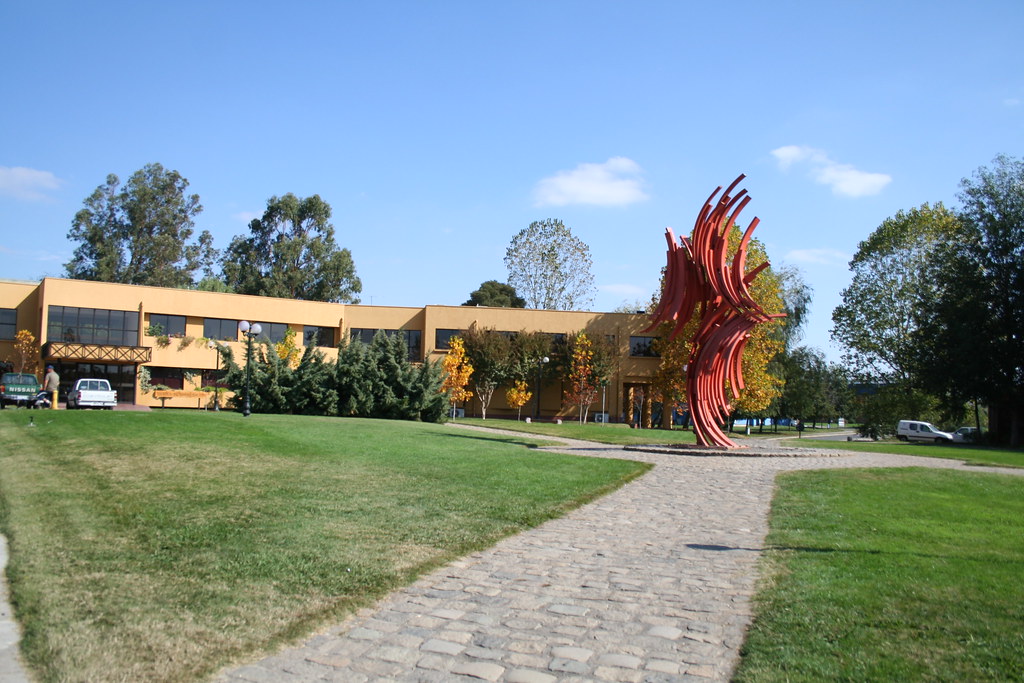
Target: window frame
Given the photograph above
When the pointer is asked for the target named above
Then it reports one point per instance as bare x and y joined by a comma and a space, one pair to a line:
162, 318
220, 331
643, 344
11, 313
318, 336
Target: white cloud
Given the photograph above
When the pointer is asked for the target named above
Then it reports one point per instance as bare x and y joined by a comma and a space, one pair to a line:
616, 182
824, 256
1012, 102
844, 179
27, 184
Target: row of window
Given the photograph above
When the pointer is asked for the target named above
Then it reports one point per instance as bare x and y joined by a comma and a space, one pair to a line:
120, 328
413, 339
638, 346
174, 378
93, 326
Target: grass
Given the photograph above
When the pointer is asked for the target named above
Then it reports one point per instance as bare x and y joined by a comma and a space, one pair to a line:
972, 455
901, 574
161, 546
612, 434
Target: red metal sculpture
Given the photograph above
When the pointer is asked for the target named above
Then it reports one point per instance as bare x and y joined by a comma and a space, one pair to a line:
698, 279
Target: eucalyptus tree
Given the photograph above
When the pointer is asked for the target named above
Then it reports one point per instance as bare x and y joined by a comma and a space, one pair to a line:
141, 233
291, 253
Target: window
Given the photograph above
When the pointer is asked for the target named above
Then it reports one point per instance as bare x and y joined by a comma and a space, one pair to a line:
219, 329
414, 342
643, 346
8, 323
413, 339
93, 326
317, 336
213, 378
443, 338
171, 325
272, 332
172, 378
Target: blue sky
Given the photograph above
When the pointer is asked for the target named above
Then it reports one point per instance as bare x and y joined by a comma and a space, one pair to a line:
437, 130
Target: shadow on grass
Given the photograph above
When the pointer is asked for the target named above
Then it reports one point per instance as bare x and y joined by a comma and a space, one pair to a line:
496, 438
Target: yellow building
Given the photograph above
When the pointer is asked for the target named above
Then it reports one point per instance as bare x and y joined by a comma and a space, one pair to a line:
101, 329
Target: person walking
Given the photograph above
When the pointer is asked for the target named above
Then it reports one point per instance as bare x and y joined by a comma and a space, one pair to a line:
51, 384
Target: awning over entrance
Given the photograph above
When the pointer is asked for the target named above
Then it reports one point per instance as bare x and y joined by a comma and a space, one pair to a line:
99, 353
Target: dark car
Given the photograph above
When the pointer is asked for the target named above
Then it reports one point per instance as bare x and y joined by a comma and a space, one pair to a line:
18, 388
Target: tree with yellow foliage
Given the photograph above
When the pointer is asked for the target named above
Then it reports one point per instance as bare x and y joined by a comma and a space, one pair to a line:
457, 373
761, 386
26, 350
517, 396
287, 350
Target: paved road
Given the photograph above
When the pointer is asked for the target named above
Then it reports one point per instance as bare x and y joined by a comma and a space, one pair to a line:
650, 583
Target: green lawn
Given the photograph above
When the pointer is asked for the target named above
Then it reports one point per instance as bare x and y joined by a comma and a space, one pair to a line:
974, 455
613, 434
160, 546
891, 575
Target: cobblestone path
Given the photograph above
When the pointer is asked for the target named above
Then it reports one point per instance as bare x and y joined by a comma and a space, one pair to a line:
650, 583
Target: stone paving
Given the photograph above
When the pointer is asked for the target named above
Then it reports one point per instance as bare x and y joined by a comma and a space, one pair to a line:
650, 583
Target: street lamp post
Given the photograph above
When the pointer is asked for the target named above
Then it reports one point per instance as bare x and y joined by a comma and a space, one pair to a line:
540, 366
604, 412
212, 344
250, 331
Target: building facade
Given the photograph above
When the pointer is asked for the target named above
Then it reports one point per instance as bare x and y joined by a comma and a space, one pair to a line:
113, 331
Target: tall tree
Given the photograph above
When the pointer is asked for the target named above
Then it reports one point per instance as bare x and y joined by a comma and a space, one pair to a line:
971, 338
140, 234
550, 267
497, 294
796, 303
291, 253
877, 320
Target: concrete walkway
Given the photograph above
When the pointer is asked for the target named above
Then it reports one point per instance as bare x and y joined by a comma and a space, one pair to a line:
11, 669
651, 583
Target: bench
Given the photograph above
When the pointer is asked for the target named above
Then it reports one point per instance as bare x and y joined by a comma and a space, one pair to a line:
164, 394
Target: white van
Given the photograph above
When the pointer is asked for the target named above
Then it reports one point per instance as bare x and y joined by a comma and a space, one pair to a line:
913, 430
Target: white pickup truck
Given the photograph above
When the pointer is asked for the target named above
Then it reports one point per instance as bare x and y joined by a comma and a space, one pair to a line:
92, 393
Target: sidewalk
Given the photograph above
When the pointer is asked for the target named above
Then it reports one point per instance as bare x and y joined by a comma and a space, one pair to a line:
650, 583
11, 670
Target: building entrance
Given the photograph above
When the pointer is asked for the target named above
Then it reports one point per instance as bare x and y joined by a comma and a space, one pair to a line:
121, 377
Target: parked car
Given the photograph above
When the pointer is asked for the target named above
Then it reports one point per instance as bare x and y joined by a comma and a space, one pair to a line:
92, 393
966, 435
915, 430
18, 388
